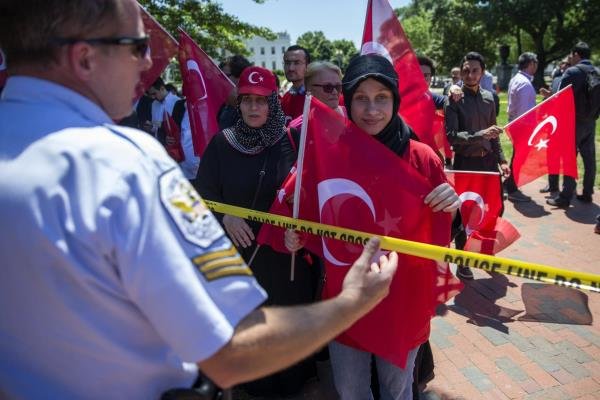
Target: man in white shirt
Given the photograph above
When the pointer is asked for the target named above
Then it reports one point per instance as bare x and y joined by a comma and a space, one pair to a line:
521, 98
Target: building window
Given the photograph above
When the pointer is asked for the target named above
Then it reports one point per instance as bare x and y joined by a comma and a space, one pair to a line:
252, 50
274, 65
282, 49
264, 65
272, 49
262, 51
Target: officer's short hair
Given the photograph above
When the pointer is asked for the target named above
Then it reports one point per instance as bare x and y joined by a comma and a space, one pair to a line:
583, 50
525, 59
29, 29
474, 56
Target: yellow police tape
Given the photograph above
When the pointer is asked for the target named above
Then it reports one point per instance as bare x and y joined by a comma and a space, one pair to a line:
522, 269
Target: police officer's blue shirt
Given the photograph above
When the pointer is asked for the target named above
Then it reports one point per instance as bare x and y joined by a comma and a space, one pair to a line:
116, 279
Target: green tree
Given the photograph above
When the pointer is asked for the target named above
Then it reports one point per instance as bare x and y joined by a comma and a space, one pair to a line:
207, 23
553, 26
461, 26
343, 51
317, 44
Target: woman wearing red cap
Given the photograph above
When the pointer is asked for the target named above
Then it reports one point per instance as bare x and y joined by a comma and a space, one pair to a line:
245, 165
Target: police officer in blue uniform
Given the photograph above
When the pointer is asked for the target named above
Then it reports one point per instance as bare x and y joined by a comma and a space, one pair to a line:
117, 282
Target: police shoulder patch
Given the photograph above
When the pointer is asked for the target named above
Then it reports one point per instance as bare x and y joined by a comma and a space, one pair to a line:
195, 222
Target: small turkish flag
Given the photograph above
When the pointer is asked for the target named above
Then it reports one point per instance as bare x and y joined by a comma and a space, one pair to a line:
205, 87
544, 139
480, 210
172, 138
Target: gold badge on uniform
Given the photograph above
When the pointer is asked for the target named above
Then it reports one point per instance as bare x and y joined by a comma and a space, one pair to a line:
195, 222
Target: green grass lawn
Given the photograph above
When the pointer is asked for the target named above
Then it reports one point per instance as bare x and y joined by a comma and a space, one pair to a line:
507, 145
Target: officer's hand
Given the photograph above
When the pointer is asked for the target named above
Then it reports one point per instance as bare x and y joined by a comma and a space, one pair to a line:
238, 231
293, 241
444, 198
367, 283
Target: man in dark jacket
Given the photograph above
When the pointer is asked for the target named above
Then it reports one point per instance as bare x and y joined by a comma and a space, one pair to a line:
472, 130
585, 128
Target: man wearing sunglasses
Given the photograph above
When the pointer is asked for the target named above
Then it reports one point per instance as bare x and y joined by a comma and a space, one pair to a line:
117, 282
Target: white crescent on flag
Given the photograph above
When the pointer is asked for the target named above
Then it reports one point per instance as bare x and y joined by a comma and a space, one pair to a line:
543, 143
328, 189
193, 66
476, 197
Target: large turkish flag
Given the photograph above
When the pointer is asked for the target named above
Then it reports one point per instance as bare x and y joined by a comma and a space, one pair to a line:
383, 34
162, 48
544, 139
205, 87
350, 180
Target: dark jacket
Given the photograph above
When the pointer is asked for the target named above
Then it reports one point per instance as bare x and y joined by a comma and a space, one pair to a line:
465, 121
576, 77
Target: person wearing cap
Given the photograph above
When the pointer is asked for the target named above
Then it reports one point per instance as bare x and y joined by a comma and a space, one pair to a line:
372, 100
244, 165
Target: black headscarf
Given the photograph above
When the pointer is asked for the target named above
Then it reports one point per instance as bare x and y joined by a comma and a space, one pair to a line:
254, 140
396, 134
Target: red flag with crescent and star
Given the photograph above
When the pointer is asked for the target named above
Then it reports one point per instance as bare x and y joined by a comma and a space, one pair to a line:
351, 180
480, 210
383, 34
205, 87
163, 47
544, 139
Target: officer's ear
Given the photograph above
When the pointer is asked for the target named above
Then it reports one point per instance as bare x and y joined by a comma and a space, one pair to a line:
83, 59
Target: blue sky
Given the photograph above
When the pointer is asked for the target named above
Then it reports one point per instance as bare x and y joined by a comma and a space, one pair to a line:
338, 19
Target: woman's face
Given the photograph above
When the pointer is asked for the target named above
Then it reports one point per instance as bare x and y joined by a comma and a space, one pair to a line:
255, 110
326, 86
372, 106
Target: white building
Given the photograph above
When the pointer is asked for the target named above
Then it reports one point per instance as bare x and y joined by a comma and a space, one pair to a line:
268, 53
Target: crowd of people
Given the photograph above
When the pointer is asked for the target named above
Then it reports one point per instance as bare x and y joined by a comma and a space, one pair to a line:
134, 287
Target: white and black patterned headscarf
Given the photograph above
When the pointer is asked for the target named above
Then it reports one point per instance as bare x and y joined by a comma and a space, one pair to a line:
254, 140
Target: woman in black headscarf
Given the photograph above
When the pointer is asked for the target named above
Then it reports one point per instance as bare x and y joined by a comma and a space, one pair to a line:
371, 97
244, 166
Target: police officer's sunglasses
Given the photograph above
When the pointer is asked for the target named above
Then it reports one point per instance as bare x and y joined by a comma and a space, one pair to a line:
140, 46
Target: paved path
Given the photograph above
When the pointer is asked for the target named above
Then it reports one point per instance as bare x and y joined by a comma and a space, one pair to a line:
482, 349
